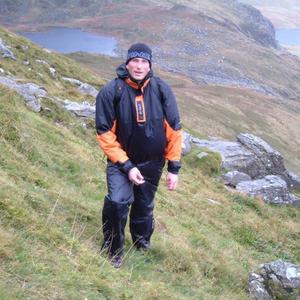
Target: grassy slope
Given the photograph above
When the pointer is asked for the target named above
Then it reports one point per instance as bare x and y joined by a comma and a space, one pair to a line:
52, 184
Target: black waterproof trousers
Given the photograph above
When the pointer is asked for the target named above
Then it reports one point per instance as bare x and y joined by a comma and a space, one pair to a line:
121, 194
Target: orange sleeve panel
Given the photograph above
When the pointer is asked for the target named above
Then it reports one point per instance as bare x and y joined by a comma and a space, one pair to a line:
174, 141
111, 147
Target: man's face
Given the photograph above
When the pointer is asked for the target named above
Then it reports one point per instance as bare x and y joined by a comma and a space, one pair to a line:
138, 68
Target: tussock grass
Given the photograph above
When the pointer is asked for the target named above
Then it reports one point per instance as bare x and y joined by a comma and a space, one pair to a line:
206, 242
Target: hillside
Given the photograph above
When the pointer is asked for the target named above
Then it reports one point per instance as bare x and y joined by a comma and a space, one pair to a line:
200, 47
203, 40
52, 178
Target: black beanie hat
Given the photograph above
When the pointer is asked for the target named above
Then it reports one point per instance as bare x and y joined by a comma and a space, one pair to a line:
139, 50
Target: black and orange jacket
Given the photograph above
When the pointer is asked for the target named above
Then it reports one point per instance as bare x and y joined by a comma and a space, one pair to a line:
142, 125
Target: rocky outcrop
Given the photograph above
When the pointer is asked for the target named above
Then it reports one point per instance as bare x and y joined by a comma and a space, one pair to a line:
31, 92
256, 26
6, 52
275, 280
84, 110
252, 156
84, 88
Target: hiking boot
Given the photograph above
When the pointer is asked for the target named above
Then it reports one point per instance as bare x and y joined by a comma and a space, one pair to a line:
143, 246
116, 261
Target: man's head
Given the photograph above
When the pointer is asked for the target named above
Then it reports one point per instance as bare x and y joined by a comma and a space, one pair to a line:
138, 62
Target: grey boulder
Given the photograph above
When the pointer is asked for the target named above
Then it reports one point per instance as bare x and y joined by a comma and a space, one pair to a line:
280, 274
272, 188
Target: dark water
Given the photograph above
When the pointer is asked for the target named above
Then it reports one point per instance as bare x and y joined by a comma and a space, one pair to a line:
67, 40
289, 37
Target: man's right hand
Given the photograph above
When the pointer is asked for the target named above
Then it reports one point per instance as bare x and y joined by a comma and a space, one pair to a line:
135, 176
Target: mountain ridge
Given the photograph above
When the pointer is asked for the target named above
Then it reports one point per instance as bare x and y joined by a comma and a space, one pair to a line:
190, 38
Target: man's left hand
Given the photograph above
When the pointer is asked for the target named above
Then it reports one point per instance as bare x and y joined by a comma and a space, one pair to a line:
172, 180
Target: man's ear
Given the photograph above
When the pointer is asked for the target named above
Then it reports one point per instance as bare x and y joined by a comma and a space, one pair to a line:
127, 67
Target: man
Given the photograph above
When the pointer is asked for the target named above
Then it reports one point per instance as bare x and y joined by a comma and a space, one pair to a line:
138, 128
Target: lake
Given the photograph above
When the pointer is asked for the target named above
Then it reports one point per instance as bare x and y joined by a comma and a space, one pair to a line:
68, 40
288, 36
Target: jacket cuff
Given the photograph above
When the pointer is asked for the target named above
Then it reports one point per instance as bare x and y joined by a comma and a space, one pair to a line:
174, 166
126, 166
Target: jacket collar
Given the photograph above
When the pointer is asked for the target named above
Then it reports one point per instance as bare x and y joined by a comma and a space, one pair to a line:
136, 85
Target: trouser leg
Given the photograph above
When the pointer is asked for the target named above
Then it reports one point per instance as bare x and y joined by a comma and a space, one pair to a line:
141, 213
115, 209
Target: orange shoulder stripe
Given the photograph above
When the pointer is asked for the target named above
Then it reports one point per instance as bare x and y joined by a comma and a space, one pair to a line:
174, 141
111, 147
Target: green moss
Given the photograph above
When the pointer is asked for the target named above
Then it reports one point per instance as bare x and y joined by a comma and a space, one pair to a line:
209, 164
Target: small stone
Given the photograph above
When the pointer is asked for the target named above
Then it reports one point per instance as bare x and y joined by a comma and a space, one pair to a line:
214, 201
24, 47
72, 80
52, 72
47, 50
202, 154
40, 61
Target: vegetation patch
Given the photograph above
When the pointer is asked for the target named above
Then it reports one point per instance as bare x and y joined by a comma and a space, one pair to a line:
204, 160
